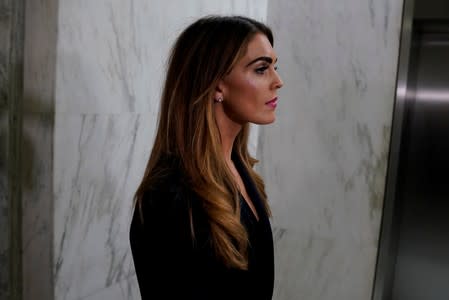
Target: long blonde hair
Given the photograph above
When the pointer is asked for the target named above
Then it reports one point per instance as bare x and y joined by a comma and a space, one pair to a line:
203, 54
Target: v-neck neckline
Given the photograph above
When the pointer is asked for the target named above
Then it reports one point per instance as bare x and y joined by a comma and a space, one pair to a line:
248, 207
251, 190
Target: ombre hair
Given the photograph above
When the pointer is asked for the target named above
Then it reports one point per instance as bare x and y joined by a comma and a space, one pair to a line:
203, 54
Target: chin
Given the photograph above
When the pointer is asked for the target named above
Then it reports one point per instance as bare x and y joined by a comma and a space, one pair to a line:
265, 121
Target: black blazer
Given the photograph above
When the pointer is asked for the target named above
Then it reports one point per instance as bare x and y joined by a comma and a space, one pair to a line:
169, 264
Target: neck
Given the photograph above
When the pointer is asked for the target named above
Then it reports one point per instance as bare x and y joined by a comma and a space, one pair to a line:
229, 130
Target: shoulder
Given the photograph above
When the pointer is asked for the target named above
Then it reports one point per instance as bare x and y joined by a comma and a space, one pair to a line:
170, 206
168, 195
162, 213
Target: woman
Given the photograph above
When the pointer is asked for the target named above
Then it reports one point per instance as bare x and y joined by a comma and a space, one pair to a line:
200, 228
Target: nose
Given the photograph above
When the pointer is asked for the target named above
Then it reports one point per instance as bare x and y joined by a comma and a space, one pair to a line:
277, 82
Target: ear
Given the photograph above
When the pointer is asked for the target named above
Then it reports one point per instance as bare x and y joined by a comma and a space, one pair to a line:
220, 90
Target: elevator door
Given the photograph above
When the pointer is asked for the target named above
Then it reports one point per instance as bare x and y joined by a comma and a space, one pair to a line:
422, 262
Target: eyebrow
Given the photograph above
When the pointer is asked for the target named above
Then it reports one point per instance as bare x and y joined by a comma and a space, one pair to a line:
263, 58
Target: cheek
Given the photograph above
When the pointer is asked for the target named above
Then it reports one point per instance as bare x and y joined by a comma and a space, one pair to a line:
247, 88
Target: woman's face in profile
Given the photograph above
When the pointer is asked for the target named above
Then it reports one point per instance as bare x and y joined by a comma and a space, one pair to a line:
250, 89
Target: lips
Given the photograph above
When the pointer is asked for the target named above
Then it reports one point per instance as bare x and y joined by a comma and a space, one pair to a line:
272, 102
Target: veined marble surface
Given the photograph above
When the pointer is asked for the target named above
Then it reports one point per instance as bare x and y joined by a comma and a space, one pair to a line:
5, 31
37, 205
324, 160
38, 148
311, 267
4, 129
4, 204
112, 54
99, 160
41, 29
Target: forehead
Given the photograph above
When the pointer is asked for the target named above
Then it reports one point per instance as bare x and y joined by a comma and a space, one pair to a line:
259, 45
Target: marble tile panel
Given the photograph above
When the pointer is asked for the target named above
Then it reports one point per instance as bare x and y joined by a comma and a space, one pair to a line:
40, 55
4, 205
123, 290
253, 141
111, 54
98, 162
310, 268
5, 21
3, 84
324, 160
37, 205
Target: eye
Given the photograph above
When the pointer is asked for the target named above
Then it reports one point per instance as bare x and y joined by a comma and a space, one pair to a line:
261, 70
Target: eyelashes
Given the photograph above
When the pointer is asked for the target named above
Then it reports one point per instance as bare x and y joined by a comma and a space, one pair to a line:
262, 69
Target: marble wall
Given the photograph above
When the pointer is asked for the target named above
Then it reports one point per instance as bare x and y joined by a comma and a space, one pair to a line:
38, 148
324, 160
94, 72
5, 9
5, 32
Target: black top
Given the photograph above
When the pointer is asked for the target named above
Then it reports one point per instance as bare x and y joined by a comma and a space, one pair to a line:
171, 265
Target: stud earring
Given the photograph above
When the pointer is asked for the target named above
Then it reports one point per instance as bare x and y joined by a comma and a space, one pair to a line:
219, 99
